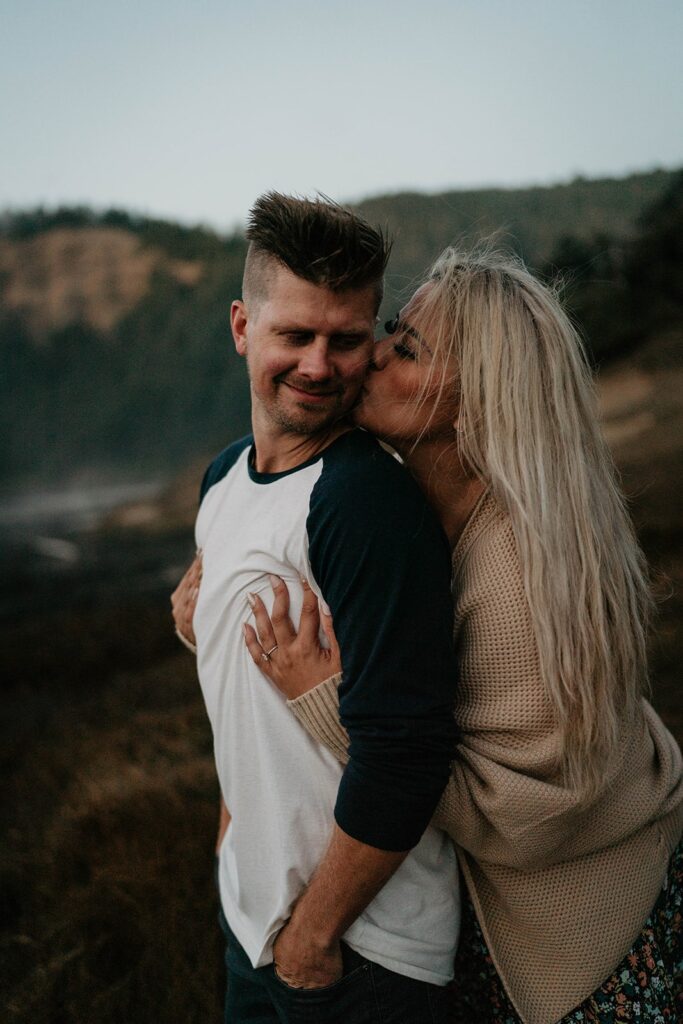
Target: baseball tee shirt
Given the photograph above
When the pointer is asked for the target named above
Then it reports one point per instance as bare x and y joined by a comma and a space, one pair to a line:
353, 523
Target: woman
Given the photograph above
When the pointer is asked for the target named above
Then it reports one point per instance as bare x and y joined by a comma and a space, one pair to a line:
566, 797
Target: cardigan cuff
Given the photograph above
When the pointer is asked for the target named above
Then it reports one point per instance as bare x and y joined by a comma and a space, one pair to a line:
318, 712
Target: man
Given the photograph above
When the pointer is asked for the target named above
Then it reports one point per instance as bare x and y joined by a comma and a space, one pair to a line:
313, 853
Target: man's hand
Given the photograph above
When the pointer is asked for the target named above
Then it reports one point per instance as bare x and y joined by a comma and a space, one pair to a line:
301, 963
307, 953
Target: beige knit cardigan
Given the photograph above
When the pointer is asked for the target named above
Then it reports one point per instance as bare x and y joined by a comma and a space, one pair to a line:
561, 888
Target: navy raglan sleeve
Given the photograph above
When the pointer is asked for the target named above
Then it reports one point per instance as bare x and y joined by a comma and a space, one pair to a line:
383, 565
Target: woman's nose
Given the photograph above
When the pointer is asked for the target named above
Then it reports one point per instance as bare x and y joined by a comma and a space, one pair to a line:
381, 353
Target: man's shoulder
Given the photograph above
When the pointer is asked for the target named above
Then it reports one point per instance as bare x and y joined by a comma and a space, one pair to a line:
222, 464
357, 465
367, 490
358, 456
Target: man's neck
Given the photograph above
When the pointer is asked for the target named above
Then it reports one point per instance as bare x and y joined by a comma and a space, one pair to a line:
279, 452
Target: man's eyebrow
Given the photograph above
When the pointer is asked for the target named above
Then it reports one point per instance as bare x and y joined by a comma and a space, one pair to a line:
353, 332
294, 328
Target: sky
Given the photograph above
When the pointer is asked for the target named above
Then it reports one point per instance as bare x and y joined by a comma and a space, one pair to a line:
191, 110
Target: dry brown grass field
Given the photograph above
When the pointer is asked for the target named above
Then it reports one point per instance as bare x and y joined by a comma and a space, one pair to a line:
109, 909
107, 861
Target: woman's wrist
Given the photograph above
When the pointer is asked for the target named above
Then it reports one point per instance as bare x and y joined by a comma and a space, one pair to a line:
326, 688
185, 642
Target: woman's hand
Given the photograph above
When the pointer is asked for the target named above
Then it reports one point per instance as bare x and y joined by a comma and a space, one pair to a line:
294, 662
184, 602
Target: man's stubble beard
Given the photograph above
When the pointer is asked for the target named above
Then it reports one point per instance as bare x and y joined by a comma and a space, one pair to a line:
309, 423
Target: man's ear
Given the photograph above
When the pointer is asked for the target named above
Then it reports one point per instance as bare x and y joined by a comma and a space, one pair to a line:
238, 324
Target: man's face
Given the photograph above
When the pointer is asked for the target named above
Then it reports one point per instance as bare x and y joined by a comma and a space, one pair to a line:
307, 350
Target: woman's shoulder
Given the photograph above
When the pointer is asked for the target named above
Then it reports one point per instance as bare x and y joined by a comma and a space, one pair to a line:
502, 705
493, 623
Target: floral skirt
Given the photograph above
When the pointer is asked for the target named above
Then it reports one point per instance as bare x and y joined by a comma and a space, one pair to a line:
646, 987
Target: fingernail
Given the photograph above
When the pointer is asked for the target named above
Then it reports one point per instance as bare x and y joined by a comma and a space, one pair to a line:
244, 628
251, 598
324, 607
275, 581
195, 592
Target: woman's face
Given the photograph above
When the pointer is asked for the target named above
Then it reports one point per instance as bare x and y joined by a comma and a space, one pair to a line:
400, 400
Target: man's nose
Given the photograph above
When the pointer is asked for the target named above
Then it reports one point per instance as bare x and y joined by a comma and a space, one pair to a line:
315, 361
381, 354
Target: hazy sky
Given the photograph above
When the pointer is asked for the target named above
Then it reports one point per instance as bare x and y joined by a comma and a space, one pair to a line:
190, 110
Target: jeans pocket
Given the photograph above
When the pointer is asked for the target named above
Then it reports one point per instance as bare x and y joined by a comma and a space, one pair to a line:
323, 990
349, 1000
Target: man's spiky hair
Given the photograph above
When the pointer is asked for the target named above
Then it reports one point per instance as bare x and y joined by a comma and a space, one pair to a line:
317, 240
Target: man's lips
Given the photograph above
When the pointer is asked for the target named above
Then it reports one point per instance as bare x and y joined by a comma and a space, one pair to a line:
311, 397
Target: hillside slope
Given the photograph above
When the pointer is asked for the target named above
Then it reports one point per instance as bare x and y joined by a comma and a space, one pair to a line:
532, 221
115, 349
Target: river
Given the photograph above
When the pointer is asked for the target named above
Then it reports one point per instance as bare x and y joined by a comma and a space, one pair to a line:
54, 553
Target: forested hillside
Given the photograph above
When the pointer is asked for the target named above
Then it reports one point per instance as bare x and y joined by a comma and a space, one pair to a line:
115, 351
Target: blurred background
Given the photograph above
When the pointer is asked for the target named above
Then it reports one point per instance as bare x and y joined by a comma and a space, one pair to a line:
135, 139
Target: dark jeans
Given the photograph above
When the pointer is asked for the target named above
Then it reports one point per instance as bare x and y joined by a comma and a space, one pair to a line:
366, 994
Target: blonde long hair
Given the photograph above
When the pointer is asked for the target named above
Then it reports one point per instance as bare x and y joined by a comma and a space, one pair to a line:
528, 426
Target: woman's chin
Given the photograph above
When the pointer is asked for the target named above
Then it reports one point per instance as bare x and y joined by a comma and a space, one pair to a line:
364, 416
365, 422
362, 419
359, 416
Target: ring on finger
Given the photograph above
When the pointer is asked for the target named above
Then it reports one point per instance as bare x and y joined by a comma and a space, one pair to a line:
266, 654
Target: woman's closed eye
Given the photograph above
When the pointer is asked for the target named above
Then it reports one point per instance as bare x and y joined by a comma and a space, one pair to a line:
403, 351
395, 326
